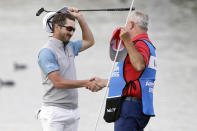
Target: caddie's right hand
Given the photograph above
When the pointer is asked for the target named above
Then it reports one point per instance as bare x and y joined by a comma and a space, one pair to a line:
91, 85
100, 84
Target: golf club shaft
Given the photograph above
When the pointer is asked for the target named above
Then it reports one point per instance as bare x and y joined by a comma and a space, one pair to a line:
112, 9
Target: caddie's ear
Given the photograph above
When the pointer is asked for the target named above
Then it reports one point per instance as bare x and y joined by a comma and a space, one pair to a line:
131, 24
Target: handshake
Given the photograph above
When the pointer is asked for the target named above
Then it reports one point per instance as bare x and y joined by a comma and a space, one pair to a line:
95, 84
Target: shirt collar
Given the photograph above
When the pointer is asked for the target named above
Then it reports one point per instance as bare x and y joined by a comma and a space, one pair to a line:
141, 36
56, 42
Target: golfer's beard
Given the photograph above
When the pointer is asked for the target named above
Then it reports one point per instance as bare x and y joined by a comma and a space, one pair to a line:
66, 40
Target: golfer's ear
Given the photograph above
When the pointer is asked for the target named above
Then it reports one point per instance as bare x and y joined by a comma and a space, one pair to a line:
55, 27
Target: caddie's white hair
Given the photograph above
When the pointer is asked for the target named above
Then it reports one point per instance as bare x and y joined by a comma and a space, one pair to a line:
140, 18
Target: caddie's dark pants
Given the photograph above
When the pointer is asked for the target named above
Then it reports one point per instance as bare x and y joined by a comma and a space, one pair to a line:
131, 117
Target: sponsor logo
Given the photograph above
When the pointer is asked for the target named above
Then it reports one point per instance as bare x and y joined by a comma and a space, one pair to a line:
150, 90
116, 68
116, 72
111, 110
152, 63
150, 85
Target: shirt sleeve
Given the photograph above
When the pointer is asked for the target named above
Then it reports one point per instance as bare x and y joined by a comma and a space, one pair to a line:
76, 45
47, 61
143, 50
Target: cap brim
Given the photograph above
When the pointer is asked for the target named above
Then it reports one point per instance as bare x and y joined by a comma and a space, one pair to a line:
114, 43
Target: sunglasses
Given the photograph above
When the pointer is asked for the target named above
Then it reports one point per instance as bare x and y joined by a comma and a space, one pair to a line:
68, 28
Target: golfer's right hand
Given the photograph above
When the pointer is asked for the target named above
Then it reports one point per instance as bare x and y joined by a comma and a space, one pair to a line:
75, 12
93, 86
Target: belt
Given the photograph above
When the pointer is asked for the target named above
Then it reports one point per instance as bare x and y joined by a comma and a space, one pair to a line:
134, 99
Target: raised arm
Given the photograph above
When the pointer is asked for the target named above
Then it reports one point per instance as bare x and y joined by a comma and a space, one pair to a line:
87, 36
136, 58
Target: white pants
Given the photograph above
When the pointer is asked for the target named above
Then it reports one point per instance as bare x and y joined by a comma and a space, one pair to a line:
59, 119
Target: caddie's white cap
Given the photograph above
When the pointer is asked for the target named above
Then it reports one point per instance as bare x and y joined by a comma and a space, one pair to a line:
114, 42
